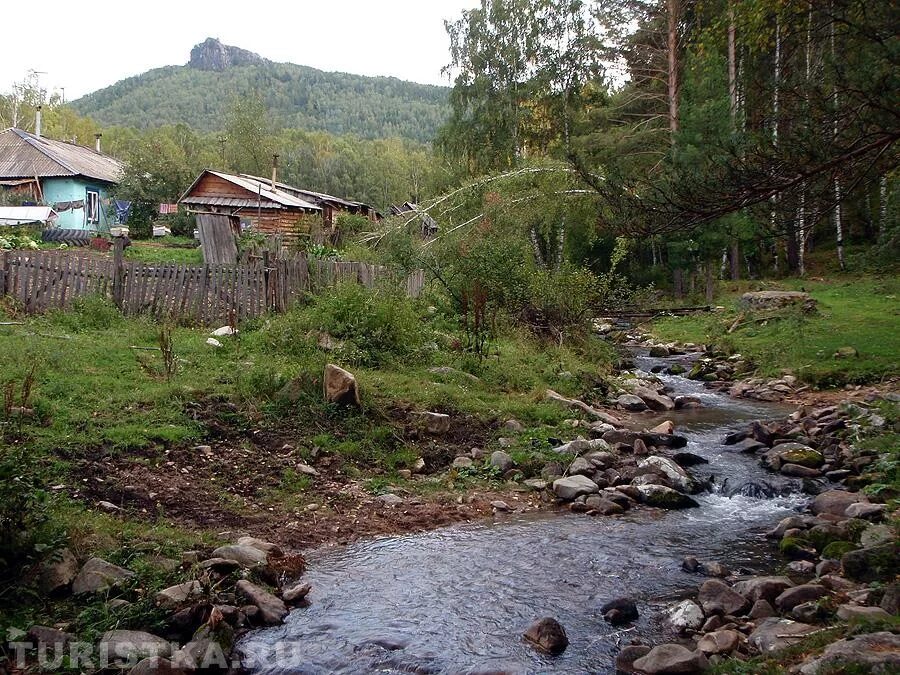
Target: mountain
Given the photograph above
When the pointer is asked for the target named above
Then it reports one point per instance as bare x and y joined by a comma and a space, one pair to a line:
199, 94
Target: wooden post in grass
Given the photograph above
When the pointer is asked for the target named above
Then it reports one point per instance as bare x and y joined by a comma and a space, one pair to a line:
118, 281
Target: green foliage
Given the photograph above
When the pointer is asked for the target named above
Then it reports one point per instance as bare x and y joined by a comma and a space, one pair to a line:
88, 313
562, 300
16, 239
368, 326
297, 96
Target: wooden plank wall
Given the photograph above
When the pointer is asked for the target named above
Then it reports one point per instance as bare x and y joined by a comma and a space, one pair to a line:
207, 294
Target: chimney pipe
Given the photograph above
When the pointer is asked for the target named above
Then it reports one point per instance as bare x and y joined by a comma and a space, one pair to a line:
274, 170
97, 138
37, 121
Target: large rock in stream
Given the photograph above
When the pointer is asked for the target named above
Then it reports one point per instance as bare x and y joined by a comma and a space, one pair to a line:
664, 497
679, 477
547, 635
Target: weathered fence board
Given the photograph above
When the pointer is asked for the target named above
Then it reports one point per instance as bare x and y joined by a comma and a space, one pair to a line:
206, 294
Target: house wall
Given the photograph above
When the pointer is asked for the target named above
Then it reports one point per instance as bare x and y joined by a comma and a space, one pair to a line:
75, 189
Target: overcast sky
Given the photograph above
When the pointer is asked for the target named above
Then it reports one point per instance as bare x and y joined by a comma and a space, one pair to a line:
87, 45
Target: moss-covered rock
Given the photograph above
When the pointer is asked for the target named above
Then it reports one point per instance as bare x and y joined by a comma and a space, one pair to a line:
797, 548
836, 549
807, 457
876, 563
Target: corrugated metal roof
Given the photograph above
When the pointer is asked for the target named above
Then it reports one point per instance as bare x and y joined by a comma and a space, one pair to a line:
256, 186
24, 155
227, 201
316, 195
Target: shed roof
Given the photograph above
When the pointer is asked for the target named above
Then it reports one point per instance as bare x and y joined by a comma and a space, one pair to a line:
24, 155
259, 188
319, 196
19, 215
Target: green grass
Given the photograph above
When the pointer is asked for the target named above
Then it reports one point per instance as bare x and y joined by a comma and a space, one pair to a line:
100, 392
859, 313
181, 250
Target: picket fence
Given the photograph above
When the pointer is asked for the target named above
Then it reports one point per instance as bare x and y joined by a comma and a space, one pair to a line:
205, 294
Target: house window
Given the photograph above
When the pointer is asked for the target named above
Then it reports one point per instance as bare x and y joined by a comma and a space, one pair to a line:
92, 207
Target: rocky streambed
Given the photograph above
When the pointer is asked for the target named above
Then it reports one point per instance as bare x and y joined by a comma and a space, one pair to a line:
459, 599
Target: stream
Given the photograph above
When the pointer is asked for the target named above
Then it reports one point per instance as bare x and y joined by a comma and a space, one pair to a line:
457, 599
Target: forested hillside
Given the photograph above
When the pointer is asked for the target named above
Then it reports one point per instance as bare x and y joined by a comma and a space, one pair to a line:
296, 97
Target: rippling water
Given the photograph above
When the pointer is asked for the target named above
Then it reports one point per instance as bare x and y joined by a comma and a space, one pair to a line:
456, 600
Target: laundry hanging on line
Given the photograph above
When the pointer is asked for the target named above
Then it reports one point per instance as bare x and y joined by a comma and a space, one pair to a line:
60, 207
123, 209
166, 209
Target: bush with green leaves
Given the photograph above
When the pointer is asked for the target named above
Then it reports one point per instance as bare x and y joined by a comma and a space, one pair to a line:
356, 324
561, 300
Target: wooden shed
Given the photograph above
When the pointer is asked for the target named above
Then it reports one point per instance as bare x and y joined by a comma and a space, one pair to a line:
261, 205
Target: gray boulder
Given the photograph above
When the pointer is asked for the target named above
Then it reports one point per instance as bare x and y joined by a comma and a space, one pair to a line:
339, 386
245, 556
133, 645
798, 595
654, 401
570, 487
686, 615
720, 642
877, 653
272, 610
664, 497
773, 634
768, 300
581, 466
173, 596
763, 588
631, 402
680, 478
98, 576
671, 658
835, 502
57, 572
502, 461
716, 597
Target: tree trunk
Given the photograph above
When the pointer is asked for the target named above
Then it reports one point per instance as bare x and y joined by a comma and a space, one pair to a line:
838, 225
735, 260
790, 243
710, 282
882, 208
678, 279
732, 70
673, 11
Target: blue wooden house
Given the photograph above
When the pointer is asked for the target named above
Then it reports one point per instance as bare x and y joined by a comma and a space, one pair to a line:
72, 179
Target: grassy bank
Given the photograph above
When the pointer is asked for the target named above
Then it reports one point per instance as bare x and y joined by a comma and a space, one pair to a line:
860, 313
191, 453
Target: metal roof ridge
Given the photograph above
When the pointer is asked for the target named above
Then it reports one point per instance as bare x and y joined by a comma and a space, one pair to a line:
31, 140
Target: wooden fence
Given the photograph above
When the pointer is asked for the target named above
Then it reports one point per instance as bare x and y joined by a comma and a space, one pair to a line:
206, 294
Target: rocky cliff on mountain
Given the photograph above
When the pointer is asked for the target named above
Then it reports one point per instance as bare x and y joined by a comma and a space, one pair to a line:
213, 55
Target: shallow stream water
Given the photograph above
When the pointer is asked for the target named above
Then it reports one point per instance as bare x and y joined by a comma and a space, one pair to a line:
456, 600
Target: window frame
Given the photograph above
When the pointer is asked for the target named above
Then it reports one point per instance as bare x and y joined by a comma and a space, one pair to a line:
91, 206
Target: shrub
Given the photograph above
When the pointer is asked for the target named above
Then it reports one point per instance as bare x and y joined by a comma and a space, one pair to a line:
367, 326
561, 300
24, 509
89, 312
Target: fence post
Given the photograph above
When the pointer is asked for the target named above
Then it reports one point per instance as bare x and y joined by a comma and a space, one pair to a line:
118, 280
4, 273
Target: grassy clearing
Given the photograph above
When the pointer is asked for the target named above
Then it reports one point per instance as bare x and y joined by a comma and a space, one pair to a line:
859, 313
182, 250
108, 422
